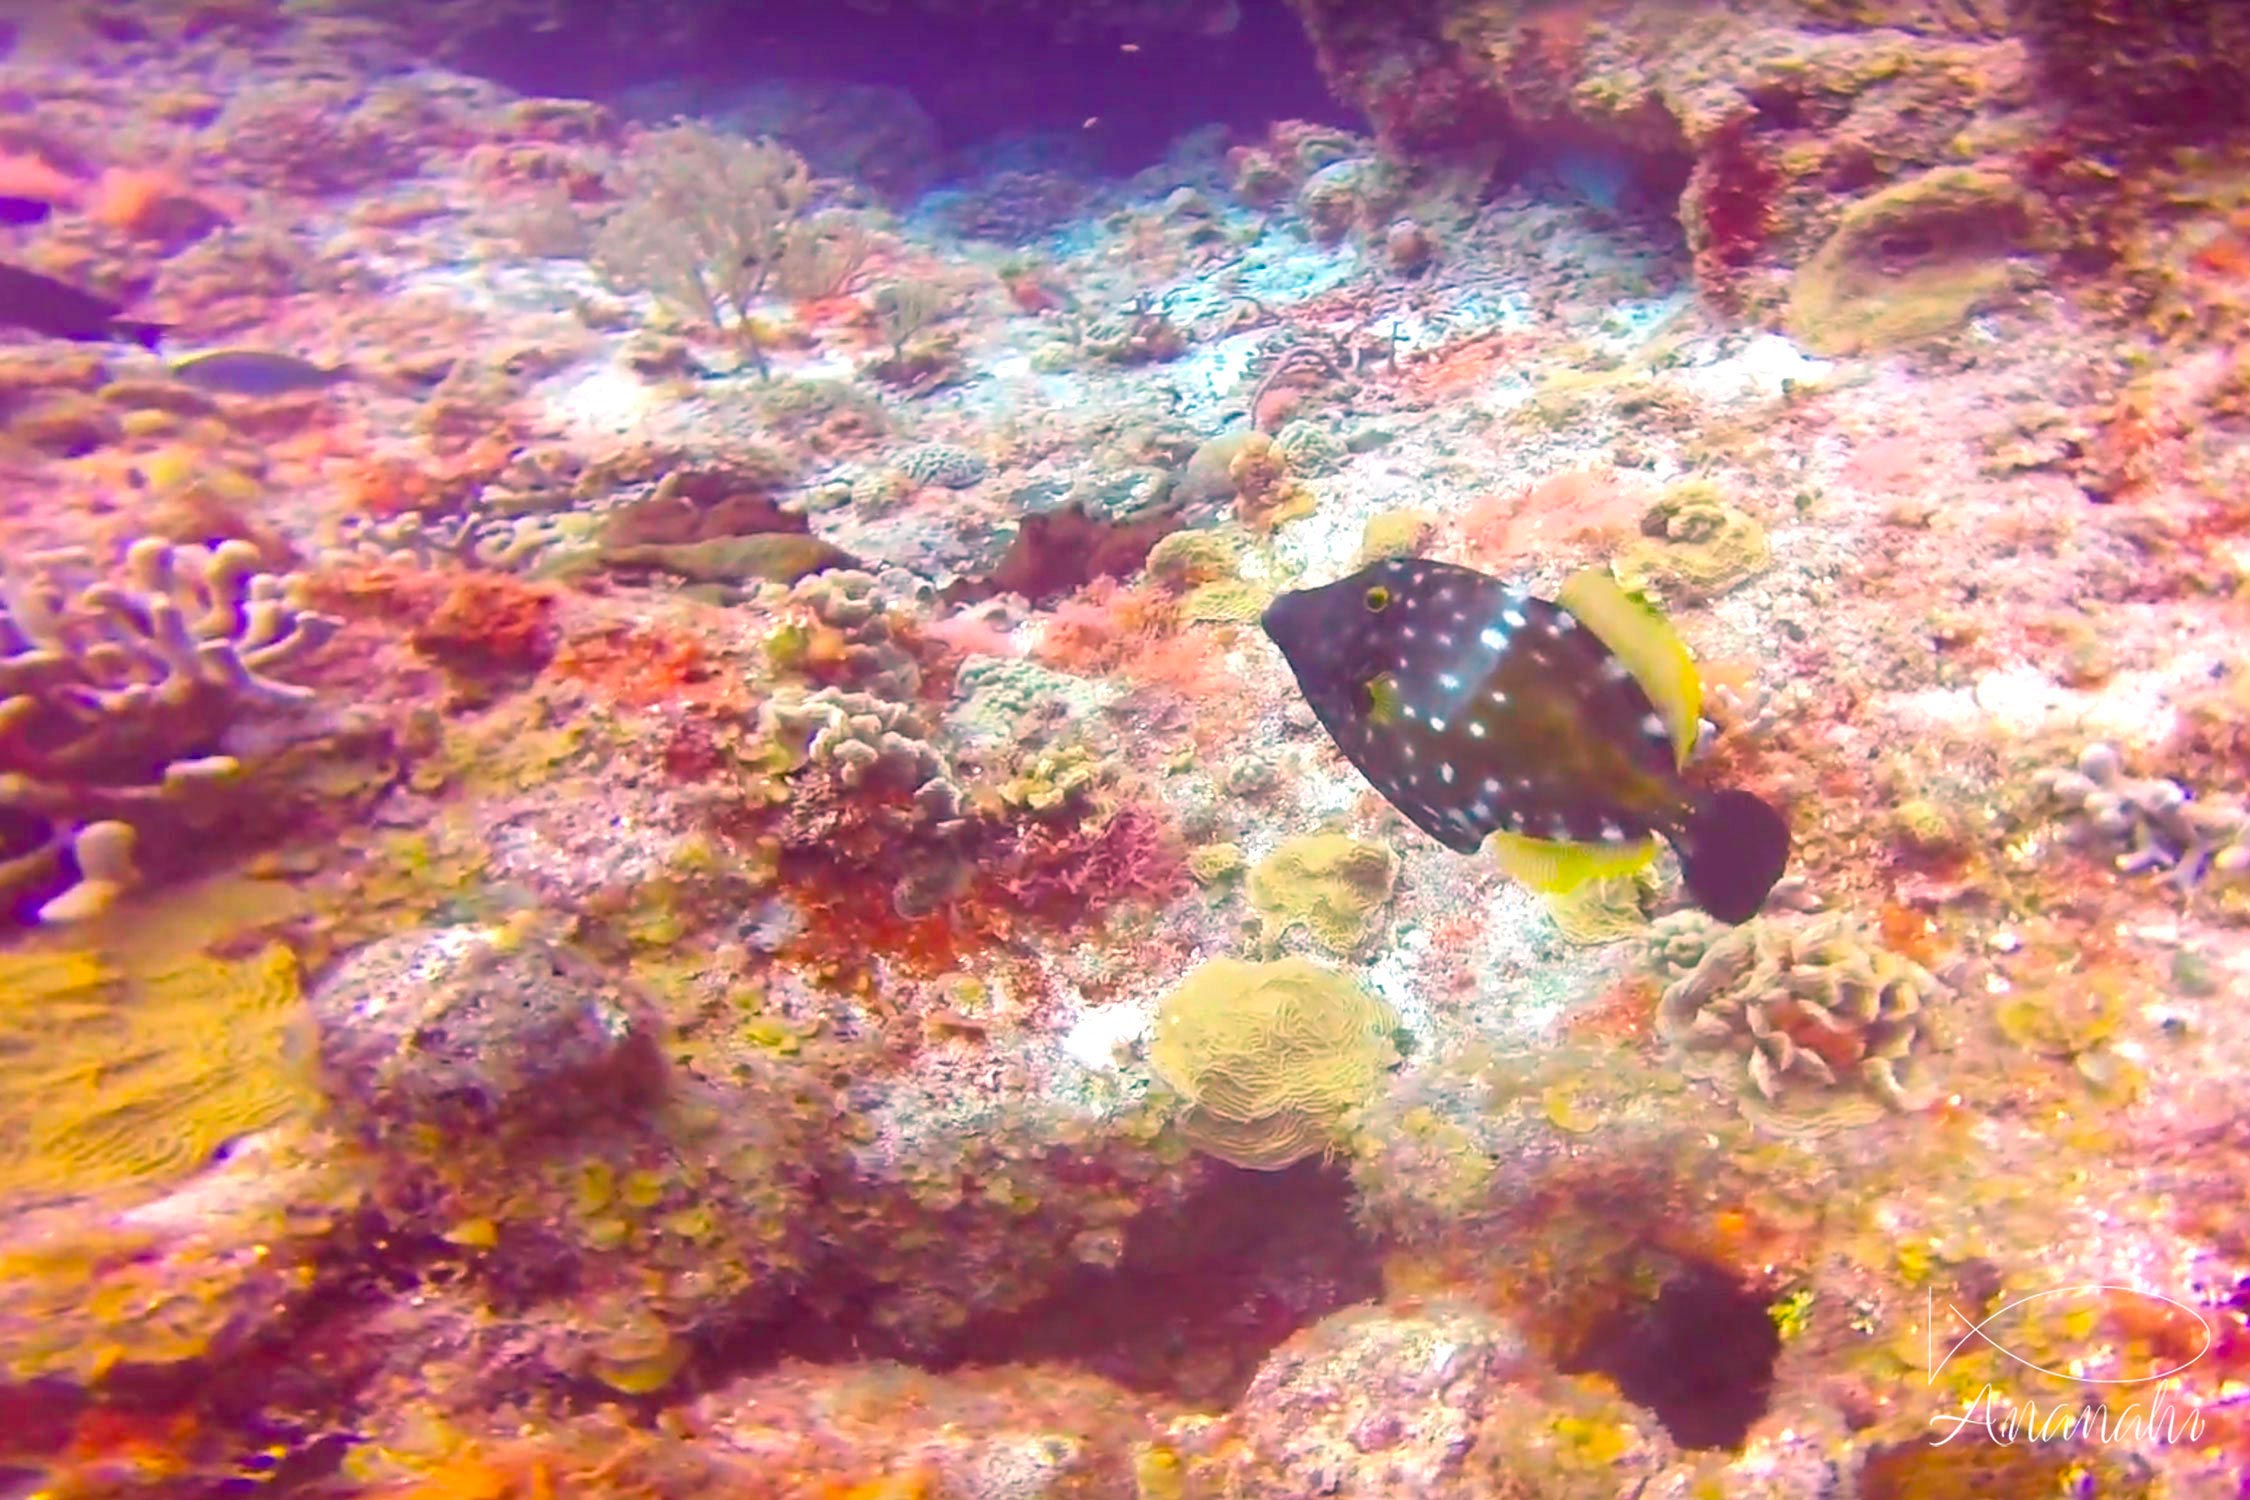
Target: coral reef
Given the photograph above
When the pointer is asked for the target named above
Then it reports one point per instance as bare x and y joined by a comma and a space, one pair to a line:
129, 1074
2153, 824
1270, 1059
117, 696
492, 1030
1808, 1026
1333, 887
796, 937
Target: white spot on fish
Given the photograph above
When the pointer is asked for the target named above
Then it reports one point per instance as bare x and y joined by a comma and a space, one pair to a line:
1445, 773
1437, 726
1512, 618
1613, 669
1653, 726
1499, 699
1448, 681
1493, 640
1491, 786
1476, 729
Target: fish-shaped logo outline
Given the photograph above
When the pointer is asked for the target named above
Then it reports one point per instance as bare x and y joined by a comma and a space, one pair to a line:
1977, 1331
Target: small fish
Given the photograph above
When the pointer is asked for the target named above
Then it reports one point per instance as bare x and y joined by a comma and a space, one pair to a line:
255, 372
41, 304
18, 210
1555, 729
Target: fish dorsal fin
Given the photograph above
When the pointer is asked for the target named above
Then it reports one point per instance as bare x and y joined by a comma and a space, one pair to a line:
1553, 867
1640, 637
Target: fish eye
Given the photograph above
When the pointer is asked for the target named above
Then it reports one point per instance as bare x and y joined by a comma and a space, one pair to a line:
1378, 599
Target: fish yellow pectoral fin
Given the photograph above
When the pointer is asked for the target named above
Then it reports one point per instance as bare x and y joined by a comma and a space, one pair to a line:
1640, 637
1552, 867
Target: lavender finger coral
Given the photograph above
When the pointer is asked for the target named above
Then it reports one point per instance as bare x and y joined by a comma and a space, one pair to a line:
2153, 824
116, 695
1812, 1027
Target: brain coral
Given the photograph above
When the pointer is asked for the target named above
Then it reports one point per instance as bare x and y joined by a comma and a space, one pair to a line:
120, 1075
1272, 1059
1333, 886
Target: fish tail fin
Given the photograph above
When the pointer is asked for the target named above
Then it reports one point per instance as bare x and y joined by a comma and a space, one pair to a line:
144, 334
1732, 849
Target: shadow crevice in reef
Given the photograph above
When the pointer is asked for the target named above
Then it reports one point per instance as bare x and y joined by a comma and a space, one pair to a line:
1203, 1292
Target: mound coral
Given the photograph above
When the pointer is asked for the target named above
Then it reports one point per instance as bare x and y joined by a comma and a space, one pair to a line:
1912, 261
117, 695
1334, 887
119, 1074
1699, 546
481, 1028
1271, 1059
1811, 1027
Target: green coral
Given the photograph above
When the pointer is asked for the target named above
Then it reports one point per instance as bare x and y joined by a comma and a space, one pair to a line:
1198, 555
1334, 887
1226, 602
1310, 450
1271, 1060
1811, 1026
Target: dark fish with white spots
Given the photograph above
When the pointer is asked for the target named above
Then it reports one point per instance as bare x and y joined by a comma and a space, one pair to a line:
1555, 729
41, 304
255, 372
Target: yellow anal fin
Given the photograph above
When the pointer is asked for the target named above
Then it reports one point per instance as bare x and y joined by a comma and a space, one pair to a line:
1551, 867
1640, 637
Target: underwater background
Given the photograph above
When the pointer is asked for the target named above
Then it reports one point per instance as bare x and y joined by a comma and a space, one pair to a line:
1125, 749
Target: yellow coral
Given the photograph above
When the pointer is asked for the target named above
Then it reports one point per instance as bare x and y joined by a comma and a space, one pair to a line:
1212, 863
1395, 533
1195, 556
1333, 886
1272, 1059
122, 1074
1606, 910
1911, 261
1700, 546
1226, 602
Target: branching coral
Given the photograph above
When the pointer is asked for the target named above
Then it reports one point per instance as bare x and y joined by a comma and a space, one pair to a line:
116, 694
2154, 824
1812, 1027
709, 224
1271, 1059
842, 634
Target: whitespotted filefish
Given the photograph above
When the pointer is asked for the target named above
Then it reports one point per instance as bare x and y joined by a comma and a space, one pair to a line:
1554, 729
